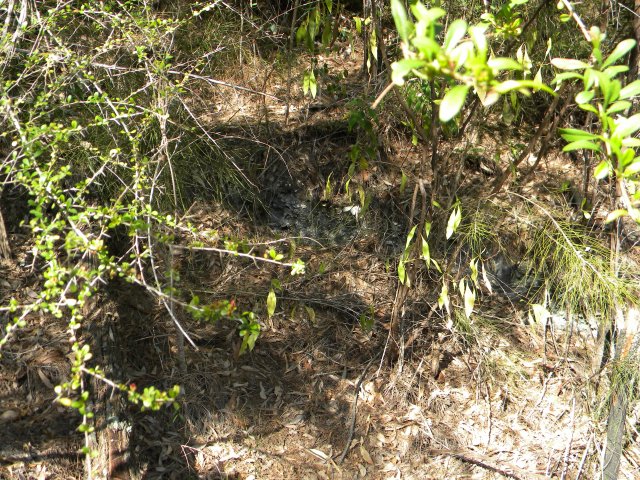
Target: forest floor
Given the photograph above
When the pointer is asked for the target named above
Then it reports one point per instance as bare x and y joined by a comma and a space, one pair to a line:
318, 398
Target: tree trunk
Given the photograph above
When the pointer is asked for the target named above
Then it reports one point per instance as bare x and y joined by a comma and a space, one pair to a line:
111, 437
5, 250
628, 326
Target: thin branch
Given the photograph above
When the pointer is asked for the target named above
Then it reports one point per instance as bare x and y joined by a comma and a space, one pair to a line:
577, 19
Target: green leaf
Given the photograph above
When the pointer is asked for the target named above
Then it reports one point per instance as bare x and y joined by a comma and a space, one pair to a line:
614, 71
454, 222
455, 33
443, 298
618, 106
427, 15
627, 126
585, 97
311, 313
572, 134
522, 86
403, 182
589, 108
412, 232
427, 47
621, 212
426, 255
327, 33
602, 170
452, 102
313, 85
402, 68
581, 145
504, 63
301, 33
479, 39
538, 76
401, 20
540, 313
271, 303
633, 168
358, 21
402, 272
560, 77
621, 49
305, 83
474, 271
631, 90
486, 281
469, 301
298, 268
568, 64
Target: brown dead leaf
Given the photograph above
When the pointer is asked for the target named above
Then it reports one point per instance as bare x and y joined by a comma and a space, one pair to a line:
44, 378
365, 455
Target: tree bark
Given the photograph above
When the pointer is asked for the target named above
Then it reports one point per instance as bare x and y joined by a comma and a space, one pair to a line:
112, 430
5, 249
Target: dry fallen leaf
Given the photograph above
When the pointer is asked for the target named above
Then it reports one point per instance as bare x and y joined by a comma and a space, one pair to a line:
319, 453
44, 378
365, 455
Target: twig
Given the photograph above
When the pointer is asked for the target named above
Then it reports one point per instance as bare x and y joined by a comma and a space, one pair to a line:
383, 94
352, 425
584, 456
577, 19
480, 460
490, 420
235, 254
565, 459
